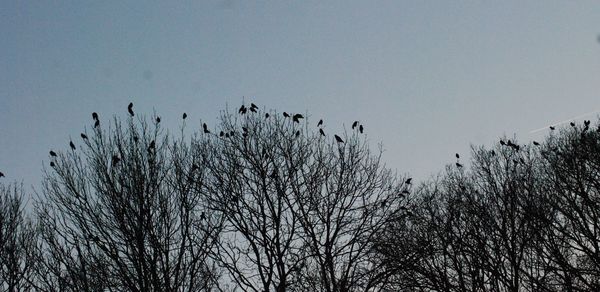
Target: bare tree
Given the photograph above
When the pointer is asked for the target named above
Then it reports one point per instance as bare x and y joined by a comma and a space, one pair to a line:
124, 210
302, 209
17, 240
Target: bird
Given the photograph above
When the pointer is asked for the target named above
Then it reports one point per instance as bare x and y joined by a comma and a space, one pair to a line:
115, 160
152, 145
205, 127
286, 115
252, 109
297, 118
502, 142
184, 116
1, 174
266, 115
72, 145
83, 136
408, 181
242, 109
493, 153
52, 164
361, 129
95, 116
97, 123
298, 133
52, 153
135, 139
322, 132
130, 109
552, 128
459, 165
221, 134
354, 124
536, 143
320, 123
572, 124
253, 106
157, 120
338, 139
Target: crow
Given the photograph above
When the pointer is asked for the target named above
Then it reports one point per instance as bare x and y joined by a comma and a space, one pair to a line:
552, 128
266, 115
184, 116
72, 145
536, 143
205, 127
157, 120
286, 115
130, 109
459, 165
297, 118
361, 129
322, 132
253, 106
95, 116
52, 164
320, 123
502, 142
493, 153
83, 136
52, 153
221, 134
572, 124
252, 109
338, 139
1, 174
408, 181
457, 156
354, 124
298, 133
242, 109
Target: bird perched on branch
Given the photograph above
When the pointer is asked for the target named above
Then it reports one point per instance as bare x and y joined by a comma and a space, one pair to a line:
286, 115
361, 129
84, 136
242, 109
296, 118
320, 123
95, 116
157, 120
52, 153
1, 174
354, 124
408, 181
130, 109
72, 145
184, 116
338, 139
205, 128
322, 132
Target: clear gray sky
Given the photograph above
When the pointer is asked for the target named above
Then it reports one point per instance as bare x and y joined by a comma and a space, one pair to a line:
426, 78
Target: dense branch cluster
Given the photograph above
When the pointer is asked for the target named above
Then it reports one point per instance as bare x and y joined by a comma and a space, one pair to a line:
269, 202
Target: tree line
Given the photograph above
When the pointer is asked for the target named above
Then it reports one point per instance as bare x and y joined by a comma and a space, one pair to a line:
269, 202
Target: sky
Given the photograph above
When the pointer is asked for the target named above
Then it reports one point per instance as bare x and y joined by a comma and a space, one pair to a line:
426, 78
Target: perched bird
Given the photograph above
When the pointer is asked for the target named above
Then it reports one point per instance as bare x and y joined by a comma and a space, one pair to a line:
572, 124
266, 115
298, 133
252, 109
457, 156
83, 136
502, 142
354, 124
1, 174
322, 132
297, 118
536, 143
459, 165
52, 153
221, 134
320, 123
52, 164
72, 145
242, 109
361, 129
286, 115
97, 123
253, 106
157, 120
130, 109
338, 139
205, 127
95, 116
184, 116
408, 181
115, 160
552, 128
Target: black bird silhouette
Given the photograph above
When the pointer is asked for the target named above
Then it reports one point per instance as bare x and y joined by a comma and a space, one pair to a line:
493, 153
97, 123
252, 109
135, 139
130, 109
157, 120
552, 128
115, 160
184, 116
457, 156
253, 106
297, 118
152, 145
52, 164
298, 133
1, 174
361, 129
572, 124
338, 139
408, 181
459, 165
205, 127
586, 122
266, 115
242, 109
320, 123
354, 124
221, 134
286, 115
226, 135
72, 145
502, 142
52, 153
322, 132
83, 136
95, 116
536, 143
